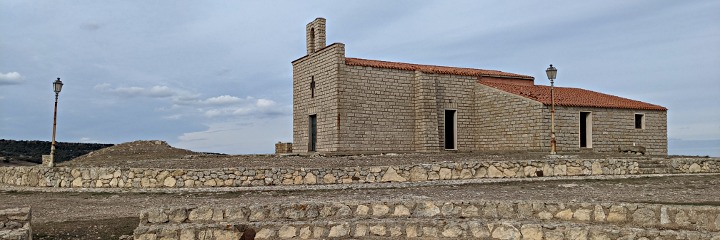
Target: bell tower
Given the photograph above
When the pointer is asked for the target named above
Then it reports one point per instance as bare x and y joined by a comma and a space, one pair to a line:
315, 35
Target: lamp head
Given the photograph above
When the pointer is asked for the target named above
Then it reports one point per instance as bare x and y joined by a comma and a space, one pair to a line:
57, 85
551, 72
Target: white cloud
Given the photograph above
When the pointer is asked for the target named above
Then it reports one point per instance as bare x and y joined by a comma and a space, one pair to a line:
150, 92
239, 137
153, 92
222, 112
173, 117
10, 78
265, 103
102, 86
260, 107
188, 104
222, 100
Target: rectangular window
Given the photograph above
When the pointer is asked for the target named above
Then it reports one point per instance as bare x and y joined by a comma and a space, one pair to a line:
639, 121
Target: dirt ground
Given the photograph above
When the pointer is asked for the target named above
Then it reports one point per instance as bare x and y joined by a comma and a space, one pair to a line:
86, 215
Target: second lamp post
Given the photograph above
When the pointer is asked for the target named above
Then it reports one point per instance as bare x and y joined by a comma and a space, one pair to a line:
551, 74
57, 85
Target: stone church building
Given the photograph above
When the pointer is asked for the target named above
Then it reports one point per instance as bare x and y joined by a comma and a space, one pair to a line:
353, 105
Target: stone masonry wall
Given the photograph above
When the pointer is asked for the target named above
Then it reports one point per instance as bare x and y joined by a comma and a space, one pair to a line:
322, 67
380, 109
509, 122
612, 128
239, 177
426, 136
15, 224
457, 93
376, 109
419, 219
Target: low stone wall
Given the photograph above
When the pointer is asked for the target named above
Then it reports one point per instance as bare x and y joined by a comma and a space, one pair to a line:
408, 229
15, 224
237, 177
411, 219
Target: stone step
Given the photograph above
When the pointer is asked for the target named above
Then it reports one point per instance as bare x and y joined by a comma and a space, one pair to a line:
414, 228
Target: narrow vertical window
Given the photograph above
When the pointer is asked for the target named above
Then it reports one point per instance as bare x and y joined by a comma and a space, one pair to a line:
312, 136
586, 129
450, 129
312, 86
639, 121
312, 40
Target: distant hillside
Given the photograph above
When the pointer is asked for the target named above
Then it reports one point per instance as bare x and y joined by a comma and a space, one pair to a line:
32, 151
142, 150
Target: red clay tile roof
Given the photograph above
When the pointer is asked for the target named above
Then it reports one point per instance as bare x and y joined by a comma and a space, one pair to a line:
432, 69
572, 97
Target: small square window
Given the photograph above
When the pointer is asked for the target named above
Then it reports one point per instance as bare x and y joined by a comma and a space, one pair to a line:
639, 121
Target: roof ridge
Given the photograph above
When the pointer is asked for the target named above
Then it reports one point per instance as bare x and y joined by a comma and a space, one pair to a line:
432, 68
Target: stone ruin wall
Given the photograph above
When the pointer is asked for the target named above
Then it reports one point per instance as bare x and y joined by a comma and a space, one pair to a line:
283, 147
435, 219
15, 224
96, 177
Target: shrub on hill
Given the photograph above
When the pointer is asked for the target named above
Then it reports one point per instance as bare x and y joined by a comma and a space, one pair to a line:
32, 151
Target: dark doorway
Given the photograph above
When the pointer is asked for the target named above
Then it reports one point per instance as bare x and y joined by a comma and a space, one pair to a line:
312, 141
450, 125
585, 129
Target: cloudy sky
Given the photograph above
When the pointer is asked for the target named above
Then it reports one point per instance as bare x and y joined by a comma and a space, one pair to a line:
216, 76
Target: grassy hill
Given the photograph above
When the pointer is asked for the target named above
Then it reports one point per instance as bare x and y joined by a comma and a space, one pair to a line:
32, 151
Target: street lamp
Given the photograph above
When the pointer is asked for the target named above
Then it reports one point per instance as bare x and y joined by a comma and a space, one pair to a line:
57, 85
551, 74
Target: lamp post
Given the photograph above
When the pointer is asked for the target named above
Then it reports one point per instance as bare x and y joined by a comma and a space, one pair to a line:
57, 85
551, 74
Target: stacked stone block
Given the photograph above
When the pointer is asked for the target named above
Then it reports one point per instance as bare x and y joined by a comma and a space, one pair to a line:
15, 224
282, 147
